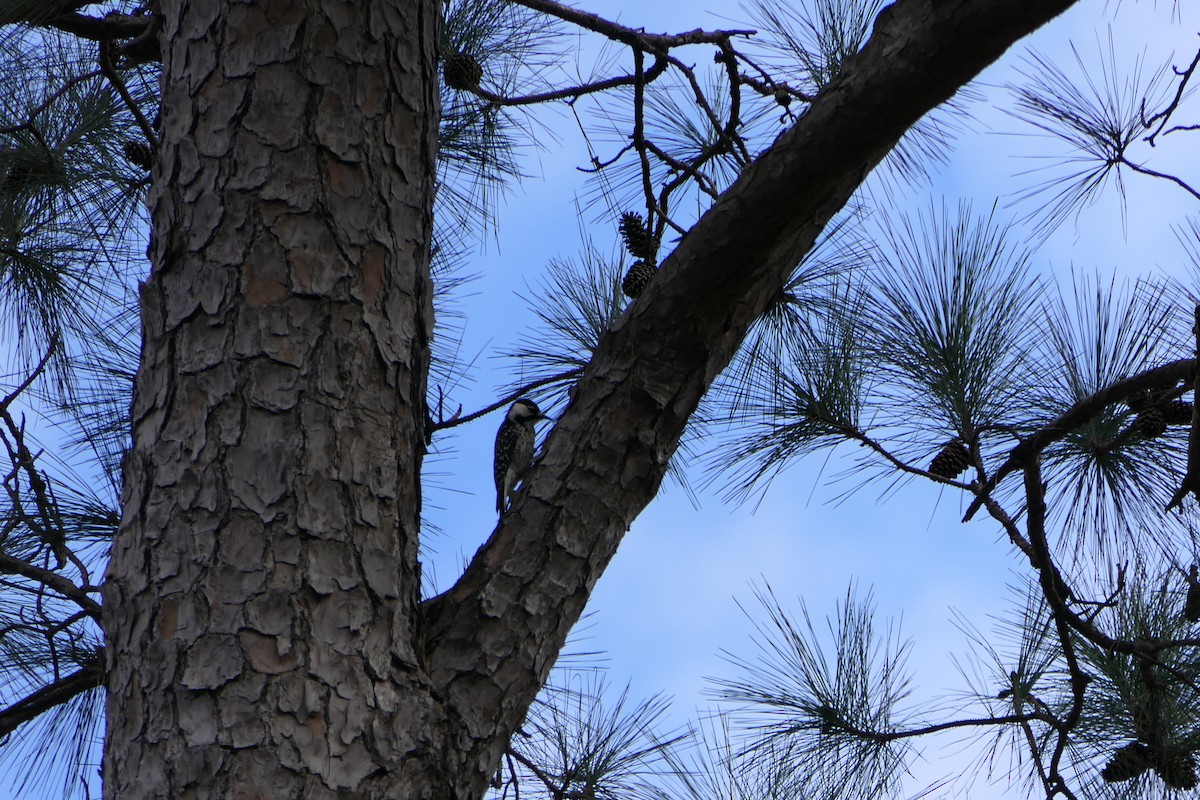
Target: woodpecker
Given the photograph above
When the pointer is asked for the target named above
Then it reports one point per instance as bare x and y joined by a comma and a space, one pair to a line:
514, 449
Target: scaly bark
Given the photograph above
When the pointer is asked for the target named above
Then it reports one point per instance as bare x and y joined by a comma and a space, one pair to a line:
258, 603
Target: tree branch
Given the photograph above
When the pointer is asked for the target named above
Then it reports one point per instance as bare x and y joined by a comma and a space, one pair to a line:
55, 694
38, 369
49, 101
1077, 415
10, 565
1164, 116
461, 419
1057, 594
978, 722
575, 92
651, 42
1153, 173
607, 455
106, 66
101, 29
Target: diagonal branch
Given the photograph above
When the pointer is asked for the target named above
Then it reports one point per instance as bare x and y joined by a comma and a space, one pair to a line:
607, 455
1161, 119
55, 694
110, 72
1153, 173
10, 565
36, 111
38, 369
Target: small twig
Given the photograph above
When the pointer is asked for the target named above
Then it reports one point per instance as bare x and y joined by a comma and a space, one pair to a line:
33, 376
768, 87
728, 56
1111, 600
14, 566
724, 131
49, 101
704, 182
48, 525
460, 419
537, 771
1057, 594
598, 164
516, 781
664, 221
1035, 753
1009, 524
1156, 174
978, 722
903, 466
651, 42
639, 127
110, 72
574, 92
1164, 116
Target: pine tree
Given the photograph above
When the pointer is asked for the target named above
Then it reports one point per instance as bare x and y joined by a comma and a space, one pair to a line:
246, 600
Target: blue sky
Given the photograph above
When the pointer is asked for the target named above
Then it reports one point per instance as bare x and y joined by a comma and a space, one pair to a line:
667, 606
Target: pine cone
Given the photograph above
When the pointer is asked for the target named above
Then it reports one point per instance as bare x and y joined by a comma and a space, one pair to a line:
638, 240
1150, 423
139, 154
462, 71
1177, 412
1177, 769
1127, 763
952, 460
637, 278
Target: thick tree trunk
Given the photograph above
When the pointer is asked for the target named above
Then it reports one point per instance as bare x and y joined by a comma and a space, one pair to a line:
261, 605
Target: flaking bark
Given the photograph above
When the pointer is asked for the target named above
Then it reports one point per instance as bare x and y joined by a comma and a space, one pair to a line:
255, 603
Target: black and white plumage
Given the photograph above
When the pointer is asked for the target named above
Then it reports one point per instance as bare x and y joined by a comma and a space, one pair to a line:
514, 449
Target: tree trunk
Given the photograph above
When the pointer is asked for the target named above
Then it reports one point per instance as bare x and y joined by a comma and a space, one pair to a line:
261, 605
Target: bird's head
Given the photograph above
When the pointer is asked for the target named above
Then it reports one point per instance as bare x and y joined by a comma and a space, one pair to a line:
525, 410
